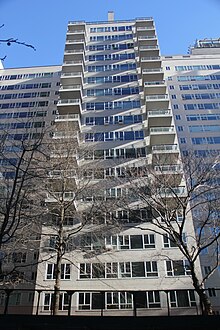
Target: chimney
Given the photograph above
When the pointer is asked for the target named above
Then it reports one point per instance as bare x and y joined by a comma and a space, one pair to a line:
111, 16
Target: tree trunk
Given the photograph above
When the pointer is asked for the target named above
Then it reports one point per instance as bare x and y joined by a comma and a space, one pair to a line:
205, 304
59, 256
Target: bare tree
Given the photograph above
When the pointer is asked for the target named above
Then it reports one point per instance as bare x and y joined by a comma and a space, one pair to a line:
19, 207
173, 201
72, 214
11, 41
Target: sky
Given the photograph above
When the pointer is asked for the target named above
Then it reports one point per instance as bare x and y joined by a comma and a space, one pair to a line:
43, 23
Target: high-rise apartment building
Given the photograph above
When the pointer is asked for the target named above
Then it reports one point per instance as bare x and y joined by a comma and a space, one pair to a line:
115, 114
114, 94
28, 98
193, 86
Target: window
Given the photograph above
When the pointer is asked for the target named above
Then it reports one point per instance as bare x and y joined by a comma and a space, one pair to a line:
63, 301
150, 299
151, 269
167, 242
177, 267
111, 270
182, 140
180, 128
207, 270
51, 271
119, 300
173, 97
178, 117
175, 106
149, 241
182, 298
124, 269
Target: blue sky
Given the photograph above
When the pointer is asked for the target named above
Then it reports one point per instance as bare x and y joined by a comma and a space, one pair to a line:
43, 23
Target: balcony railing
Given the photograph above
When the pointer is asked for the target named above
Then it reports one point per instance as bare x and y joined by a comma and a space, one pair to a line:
76, 31
150, 58
68, 101
157, 97
67, 117
146, 37
71, 74
165, 147
168, 168
149, 83
162, 130
153, 113
148, 47
172, 191
75, 41
152, 70
69, 51
70, 87
73, 62
145, 28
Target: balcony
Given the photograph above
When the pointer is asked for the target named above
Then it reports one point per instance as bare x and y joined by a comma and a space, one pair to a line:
151, 87
68, 117
157, 97
172, 192
147, 37
165, 148
73, 66
148, 50
60, 197
164, 134
145, 28
168, 169
71, 78
69, 106
76, 34
159, 117
152, 74
150, 62
76, 26
75, 44
158, 102
71, 91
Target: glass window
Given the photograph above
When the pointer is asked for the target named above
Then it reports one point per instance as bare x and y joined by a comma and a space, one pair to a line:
138, 269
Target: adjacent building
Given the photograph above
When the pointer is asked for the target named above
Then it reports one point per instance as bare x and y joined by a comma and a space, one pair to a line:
193, 85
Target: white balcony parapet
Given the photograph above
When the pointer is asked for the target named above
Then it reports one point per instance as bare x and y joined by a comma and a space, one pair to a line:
60, 196
153, 113
145, 28
73, 62
168, 168
165, 147
174, 191
148, 47
162, 129
150, 58
70, 87
152, 70
67, 117
150, 83
76, 31
68, 101
157, 97
71, 74
146, 37
73, 51
75, 41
